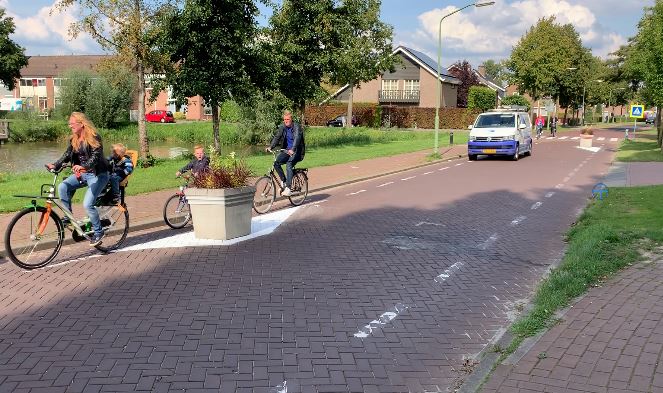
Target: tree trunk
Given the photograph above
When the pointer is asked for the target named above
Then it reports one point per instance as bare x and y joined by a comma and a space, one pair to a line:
142, 128
348, 118
659, 129
302, 111
215, 126
566, 111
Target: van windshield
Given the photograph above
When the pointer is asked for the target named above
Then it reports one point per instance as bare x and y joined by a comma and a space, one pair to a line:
495, 120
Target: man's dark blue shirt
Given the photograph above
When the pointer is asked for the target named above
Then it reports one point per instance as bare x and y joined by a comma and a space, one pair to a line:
289, 137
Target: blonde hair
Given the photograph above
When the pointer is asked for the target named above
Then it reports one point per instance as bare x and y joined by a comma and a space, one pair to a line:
89, 132
121, 148
198, 147
287, 113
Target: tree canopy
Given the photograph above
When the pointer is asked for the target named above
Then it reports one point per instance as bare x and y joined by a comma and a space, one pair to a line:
12, 56
482, 98
463, 71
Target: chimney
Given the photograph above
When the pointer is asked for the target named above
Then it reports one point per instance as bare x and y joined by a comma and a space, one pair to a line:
482, 71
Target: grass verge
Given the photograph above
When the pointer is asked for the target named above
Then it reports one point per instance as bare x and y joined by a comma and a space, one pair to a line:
643, 149
606, 238
337, 148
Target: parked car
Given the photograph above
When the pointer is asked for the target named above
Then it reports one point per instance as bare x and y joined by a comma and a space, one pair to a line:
650, 118
160, 116
501, 132
339, 121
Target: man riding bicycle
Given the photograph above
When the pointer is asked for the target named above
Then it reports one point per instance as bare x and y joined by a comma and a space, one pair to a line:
290, 137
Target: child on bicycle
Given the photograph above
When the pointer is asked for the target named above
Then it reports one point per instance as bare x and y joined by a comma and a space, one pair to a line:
121, 167
199, 164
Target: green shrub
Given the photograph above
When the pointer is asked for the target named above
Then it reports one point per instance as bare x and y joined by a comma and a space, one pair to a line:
179, 116
481, 98
230, 112
22, 131
516, 100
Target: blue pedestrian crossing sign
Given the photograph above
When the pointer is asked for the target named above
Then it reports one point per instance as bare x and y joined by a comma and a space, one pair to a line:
637, 111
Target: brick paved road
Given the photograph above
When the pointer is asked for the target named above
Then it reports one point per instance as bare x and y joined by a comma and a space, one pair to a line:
382, 286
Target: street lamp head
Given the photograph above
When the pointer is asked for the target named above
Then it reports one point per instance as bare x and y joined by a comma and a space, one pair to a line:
484, 3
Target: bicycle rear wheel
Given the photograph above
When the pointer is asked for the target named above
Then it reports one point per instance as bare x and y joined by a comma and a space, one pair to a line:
115, 221
34, 238
265, 195
299, 188
176, 212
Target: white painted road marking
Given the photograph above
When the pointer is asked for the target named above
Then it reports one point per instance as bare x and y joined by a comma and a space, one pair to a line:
69, 261
408, 178
518, 220
426, 173
355, 193
282, 388
429, 223
575, 138
536, 205
550, 194
560, 185
382, 320
458, 164
447, 273
614, 139
564, 137
566, 179
443, 169
600, 139
485, 245
385, 184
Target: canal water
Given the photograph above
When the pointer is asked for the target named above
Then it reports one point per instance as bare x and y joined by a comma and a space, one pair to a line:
22, 157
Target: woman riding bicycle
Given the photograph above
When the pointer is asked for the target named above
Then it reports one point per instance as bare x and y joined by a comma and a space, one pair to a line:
86, 155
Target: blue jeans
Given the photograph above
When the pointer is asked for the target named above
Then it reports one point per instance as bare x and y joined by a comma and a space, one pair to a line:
289, 161
95, 185
115, 181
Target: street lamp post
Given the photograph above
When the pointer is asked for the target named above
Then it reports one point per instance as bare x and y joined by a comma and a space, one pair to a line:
439, 72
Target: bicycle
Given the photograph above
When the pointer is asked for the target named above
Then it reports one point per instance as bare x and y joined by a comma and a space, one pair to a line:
179, 206
35, 235
266, 188
539, 131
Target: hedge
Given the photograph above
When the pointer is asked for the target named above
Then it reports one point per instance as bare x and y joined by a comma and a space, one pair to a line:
372, 115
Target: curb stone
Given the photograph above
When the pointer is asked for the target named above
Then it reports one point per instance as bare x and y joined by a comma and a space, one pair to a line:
153, 223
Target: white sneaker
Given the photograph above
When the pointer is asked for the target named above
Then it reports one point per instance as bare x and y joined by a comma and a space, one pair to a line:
282, 184
286, 192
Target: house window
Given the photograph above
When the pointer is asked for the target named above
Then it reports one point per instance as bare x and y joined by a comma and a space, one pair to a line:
411, 85
207, 110
389, 85
57, 82
43, 103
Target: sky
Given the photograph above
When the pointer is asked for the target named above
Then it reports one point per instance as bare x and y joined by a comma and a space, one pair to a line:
476, 34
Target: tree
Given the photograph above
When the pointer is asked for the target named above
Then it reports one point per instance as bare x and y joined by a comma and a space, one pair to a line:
12, 56
463, 71
215, 49
299, 37
494, 71
550, 61
482, 98
362, 46
516, 100
645, 60
124, 26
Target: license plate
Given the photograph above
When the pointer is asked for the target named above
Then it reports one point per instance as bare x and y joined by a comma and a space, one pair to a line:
489, 151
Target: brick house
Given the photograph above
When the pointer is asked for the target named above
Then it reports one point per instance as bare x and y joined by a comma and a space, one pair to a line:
413, 83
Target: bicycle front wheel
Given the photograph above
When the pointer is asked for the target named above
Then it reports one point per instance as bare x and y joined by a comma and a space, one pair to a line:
34, 238
299, 188
265, 195
176, 212
115, 221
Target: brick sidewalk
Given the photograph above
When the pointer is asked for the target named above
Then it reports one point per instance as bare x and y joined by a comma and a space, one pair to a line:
609, 341
148, 207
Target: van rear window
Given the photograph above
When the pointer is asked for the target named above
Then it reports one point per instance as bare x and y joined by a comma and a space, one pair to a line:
495, 120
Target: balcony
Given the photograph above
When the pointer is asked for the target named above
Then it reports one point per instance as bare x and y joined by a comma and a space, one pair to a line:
399, 96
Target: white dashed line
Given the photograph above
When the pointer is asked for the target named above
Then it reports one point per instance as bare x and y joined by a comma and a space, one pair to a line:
550, 194
426, 173
550, 137
563, 138
382, 320
536, 205
355, 193
354, 167
429, 223
458, 164
385, 184
443, 169
72, 261
566, 179
408, 178
447, 273
614, 139
518, 220
600, 139
485, 245
575, 138
560, 185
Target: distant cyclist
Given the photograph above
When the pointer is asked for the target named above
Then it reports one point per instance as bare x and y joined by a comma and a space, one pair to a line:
553, 126
539, 122
289, 137
86, 155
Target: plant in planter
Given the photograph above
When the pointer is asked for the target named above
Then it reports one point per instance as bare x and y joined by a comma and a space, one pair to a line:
586, 137
221, 199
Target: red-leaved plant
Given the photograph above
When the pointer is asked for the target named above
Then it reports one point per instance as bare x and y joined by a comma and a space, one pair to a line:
223, 172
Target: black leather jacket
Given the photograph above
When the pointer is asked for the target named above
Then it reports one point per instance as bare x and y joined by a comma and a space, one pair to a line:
299, 146
92, 159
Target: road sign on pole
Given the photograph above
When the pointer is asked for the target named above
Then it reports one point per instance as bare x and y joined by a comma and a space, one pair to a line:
637, 111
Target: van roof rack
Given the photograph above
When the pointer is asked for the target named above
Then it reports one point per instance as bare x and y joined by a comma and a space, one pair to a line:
510, 108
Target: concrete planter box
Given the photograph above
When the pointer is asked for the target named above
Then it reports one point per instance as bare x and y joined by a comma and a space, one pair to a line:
221, 214
586, 140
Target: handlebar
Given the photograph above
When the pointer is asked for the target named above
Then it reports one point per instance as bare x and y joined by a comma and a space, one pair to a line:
56, 171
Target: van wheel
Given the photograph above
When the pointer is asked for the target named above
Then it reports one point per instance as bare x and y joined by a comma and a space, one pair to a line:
472, 157
516, 155
528, 153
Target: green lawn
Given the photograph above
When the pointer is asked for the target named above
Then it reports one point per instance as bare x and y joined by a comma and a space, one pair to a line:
336, 147
643, 149
607, 237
